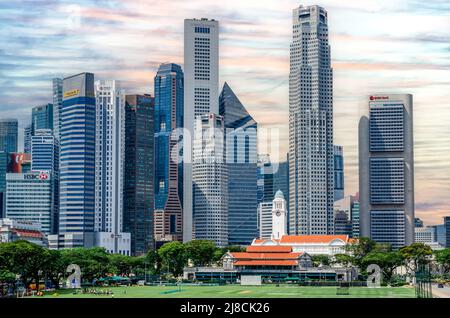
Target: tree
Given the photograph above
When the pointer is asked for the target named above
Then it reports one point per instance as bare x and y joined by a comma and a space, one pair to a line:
343, 259
443, 258
93, 262
54, 267
154, 261
360, 249
23, 258
173, 257
201, 252
415, 255
321, 259
388, 262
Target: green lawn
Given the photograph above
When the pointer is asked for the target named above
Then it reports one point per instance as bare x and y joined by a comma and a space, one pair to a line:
237, 291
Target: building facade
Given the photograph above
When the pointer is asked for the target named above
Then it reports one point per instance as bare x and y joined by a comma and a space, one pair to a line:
311, 172
77, 163
210, 180
265, 220
57, 89
447, 230
8, 134
241, 160
201, 96
139, 167
29, 198
169, 90
41, 118
386, 170
27, 139
15, 230
338, 172
3, 170
279, 216
109, 167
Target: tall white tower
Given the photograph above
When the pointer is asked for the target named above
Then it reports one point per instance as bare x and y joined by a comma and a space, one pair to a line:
279, 217
201, 96
386, 169
210, 180
311, 186
109, 165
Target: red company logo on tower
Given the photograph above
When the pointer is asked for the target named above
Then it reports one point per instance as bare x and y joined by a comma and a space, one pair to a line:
43, 176
378, 97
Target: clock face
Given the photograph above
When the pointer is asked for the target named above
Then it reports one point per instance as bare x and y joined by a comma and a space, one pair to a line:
278, 213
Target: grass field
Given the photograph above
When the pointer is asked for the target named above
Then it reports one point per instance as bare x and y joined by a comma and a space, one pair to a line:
237, 291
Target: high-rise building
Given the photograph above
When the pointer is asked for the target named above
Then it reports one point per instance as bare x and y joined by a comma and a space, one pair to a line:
169, 88
265, 188
241, 160
29, 198
77, 164
201, 96
57, 88
44, 158
3, 170
311, 171
8, 134
424, 234
386, 170
439, 232
139, 172
447, 230
44, 152
355, 217
41, 117
27, 139
418, 222
265, 219
210, 180
109, 162
19, 162
338, 172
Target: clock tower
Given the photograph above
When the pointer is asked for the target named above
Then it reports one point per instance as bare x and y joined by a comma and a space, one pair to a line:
279, 224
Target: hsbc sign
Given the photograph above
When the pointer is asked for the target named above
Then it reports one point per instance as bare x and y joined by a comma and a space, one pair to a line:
34, 176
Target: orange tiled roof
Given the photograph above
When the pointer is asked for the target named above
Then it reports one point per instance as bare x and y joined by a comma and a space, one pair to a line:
268, 248
245, 255
267, 263
263, 240
28, 233
312, 238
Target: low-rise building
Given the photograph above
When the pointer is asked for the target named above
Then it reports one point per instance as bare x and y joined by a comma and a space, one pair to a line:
15, 230
310, 244
271, 263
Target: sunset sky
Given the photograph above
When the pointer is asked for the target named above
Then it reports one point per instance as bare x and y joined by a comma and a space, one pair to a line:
377, 46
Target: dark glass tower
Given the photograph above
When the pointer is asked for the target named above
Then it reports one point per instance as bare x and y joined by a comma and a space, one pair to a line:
8, 135
241, 150
138, 183
41, 118
169, 91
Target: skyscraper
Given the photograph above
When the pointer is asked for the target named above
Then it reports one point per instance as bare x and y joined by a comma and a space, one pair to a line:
265, 187
3, 170
201, 96
29, 197
241, 160
44, 158
27, 139
210, 180
311, 187
386, 170
139, 172
109, 161
44, 151
447, 230
57, 87
41, 117
338, 172
169, 89
8, 134
77, 163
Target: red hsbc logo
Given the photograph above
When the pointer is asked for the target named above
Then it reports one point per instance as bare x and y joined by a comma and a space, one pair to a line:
378, 97
43, 176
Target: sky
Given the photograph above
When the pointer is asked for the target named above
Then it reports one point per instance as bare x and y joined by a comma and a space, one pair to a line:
377, 46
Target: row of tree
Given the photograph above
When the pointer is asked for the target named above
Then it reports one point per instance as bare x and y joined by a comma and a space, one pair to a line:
29, 262
366, 252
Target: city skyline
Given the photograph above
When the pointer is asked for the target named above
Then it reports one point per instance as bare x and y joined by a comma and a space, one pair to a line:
404, 65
